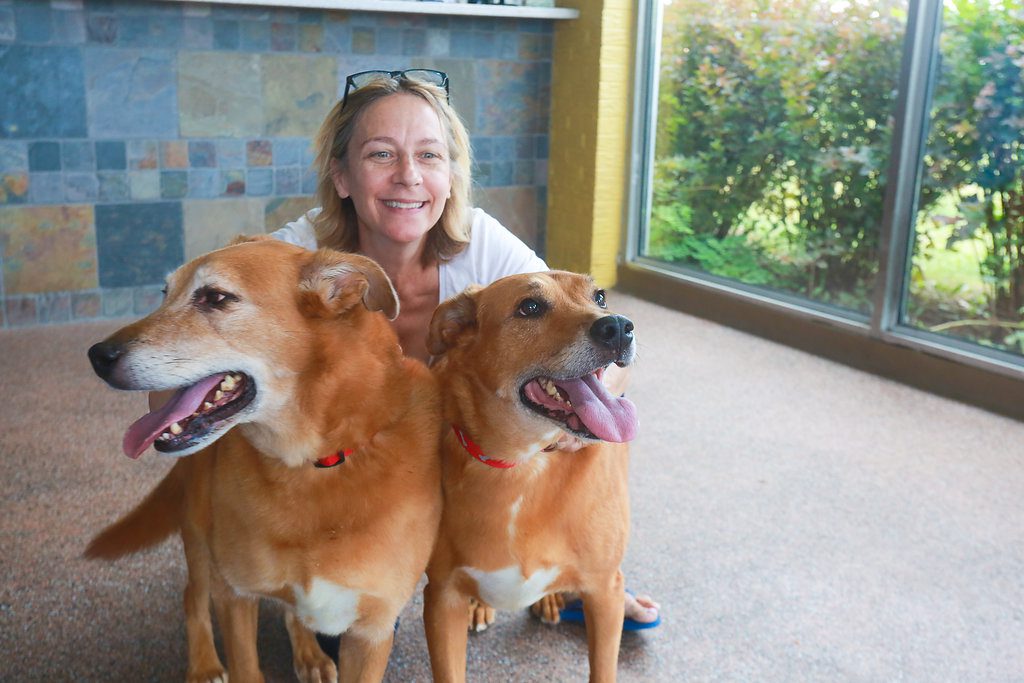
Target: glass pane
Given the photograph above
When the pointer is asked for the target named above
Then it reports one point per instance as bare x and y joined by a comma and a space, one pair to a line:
967, 273
774, 123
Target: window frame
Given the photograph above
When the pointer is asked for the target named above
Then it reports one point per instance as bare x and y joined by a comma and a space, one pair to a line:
884, 326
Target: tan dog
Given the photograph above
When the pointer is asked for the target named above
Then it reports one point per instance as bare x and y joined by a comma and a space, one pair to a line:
284, 348
520, 364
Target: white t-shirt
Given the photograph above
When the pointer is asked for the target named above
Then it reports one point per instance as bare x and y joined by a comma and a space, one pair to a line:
493, 253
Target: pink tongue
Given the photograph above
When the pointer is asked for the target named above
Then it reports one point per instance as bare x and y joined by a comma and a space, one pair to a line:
147, 428
610, 418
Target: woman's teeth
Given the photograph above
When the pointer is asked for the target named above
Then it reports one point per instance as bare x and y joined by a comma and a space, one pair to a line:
402, 205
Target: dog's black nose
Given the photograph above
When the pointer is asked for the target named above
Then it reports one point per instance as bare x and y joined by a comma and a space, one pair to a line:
613, 331
103, 357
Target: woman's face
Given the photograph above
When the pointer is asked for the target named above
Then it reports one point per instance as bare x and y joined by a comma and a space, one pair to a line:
396, 170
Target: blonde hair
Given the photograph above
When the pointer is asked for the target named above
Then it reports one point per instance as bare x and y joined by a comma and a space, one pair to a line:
336, 225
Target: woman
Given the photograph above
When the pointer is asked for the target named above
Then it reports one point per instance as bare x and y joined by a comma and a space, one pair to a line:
394, 184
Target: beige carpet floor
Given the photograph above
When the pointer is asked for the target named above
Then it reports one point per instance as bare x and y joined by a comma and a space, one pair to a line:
798, 521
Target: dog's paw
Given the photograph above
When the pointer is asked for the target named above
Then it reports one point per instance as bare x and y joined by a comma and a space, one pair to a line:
481, 615
212, 675
322, 671
547, 608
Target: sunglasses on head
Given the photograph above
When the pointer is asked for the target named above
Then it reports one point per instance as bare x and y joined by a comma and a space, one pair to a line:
358, 80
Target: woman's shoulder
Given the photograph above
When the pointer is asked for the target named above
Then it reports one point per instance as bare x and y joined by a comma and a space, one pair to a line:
301, 231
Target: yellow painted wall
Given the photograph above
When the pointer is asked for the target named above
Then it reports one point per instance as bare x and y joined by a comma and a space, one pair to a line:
591, 98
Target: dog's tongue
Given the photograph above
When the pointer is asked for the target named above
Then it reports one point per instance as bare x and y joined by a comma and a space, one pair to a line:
147, 428
609, 418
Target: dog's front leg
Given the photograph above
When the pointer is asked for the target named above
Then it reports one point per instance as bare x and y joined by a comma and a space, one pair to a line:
203, 664
310, 662
604, 609
363, 658
446, 619
238, 620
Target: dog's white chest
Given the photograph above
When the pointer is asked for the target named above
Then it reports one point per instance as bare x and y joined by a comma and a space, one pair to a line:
328, 607
508, 589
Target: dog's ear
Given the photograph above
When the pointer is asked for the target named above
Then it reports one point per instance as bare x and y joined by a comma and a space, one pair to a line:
451, 319
333, 282
242, 239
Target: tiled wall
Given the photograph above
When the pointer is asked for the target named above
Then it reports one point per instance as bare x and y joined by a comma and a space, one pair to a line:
135, 135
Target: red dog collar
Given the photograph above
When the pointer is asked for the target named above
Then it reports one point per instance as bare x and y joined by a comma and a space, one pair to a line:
473, 449
334, 458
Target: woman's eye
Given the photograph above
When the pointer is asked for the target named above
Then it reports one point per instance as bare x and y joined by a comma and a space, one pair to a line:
380, 155
599, 298
529, 308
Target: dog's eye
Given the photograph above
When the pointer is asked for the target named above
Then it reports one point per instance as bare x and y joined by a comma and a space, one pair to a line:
209, 297
599, 298
530, 308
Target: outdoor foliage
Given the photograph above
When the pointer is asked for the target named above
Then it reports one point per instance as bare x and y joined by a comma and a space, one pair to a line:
974, 156
774, 133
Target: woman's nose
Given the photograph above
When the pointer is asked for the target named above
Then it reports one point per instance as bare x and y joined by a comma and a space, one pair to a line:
408, 173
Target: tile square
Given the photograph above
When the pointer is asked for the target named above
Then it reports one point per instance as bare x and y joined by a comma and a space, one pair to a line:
53, 308
101, 29
173, 184
78, 155
310, 38
45, 188
144, 184
85, 305
259, 182
174, 154
22, 311
231, 153
13, 187
364, 40
145, 300
33, 22
212, 224
138, 243
68, 27
295, 107
80, 187
44, 156
113, 186
202, 154
197, 33
111, 155
414, 42
289, 152
259, 153
309, 182
143, 155
220, 95
8, 33
48, 249
203, 183
337, 37
232, 182
282, 37
388, 41
131, 93
117, 302
226, 35
13, 156
287, 181
255, 35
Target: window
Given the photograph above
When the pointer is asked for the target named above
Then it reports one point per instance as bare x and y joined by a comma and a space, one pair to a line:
843, 157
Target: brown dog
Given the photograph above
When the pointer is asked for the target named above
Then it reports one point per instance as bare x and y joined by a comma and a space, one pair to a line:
287, 350
520, 363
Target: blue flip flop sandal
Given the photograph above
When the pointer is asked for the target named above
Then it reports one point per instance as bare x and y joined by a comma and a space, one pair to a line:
573, 613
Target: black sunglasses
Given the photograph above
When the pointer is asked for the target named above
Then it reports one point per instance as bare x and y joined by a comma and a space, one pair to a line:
358, 80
